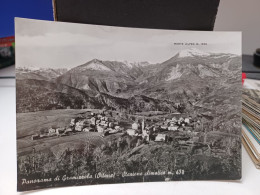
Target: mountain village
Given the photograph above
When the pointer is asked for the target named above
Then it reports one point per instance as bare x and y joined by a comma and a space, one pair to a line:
111, 117
105, 124
179, 131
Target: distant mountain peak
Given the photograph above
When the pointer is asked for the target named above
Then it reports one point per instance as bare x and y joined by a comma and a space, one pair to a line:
96, 64
132, 64
29, 68
95, 60
191, 53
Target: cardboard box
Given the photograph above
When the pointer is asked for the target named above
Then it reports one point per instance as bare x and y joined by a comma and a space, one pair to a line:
158, 14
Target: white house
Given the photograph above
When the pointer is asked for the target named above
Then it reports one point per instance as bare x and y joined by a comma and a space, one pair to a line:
100, 129
160, 137
135, 126
52, 131
173, 128
131, 132
187, 120
164, 127
93, 121
72, 122
80, 125
85, 130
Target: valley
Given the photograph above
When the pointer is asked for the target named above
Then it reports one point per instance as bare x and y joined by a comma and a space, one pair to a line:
115, 117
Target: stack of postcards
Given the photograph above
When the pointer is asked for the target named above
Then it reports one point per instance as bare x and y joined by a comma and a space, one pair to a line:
251, 119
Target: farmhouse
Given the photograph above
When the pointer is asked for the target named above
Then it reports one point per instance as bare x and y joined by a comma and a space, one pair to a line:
72, 122
51, 131
100, 128
173, 128
160, 137
131, 132
35, 136
80, 125
93, 121
60, 130
135, 126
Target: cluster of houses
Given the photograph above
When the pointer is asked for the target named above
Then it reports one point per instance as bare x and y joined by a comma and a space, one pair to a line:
60, 131
187, 139
100, 122
175, 124
97, 123
153, 132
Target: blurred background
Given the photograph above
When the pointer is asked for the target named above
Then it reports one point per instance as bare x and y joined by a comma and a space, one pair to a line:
233, 15
241, 15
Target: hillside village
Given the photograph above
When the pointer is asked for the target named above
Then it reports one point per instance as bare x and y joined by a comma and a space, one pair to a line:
104, 116
105, 124
186, 133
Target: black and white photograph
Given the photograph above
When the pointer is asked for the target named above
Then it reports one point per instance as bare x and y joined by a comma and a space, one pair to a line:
101, 105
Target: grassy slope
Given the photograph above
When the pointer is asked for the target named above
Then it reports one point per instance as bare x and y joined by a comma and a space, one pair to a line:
30, 123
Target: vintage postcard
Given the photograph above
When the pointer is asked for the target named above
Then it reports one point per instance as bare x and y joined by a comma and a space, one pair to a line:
102, 105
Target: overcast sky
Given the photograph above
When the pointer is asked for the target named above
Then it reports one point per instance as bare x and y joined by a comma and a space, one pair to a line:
65, 45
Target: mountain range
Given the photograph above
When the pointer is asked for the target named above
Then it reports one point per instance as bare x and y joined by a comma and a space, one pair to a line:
190, 78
